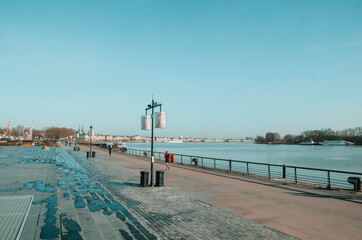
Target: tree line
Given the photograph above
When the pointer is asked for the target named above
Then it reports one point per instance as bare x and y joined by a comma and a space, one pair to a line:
350, 134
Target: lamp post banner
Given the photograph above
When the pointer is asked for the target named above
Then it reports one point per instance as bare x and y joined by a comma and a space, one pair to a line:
160, 120
146, 123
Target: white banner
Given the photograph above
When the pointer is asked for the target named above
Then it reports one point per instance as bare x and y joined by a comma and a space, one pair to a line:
160, 120
146, 123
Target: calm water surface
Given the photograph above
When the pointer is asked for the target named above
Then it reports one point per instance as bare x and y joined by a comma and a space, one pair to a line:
343, 158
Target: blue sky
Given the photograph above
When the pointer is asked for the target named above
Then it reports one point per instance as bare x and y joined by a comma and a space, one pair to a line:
220, 68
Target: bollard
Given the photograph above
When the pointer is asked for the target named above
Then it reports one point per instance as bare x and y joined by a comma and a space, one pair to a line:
356, 183
160, 178
144, 179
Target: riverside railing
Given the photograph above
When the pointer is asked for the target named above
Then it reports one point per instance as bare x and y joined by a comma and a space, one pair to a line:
328, 178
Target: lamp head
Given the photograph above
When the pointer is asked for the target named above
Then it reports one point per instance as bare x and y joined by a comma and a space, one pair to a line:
91, 127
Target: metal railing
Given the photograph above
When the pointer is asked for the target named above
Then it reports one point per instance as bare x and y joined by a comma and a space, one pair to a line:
328, 178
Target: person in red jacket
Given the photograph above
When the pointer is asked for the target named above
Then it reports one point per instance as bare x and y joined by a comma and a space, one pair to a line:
167, 160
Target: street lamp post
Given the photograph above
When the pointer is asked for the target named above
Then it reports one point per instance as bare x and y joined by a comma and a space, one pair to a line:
90, 141
152, 106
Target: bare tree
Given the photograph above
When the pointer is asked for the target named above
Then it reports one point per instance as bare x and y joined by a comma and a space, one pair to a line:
56, 133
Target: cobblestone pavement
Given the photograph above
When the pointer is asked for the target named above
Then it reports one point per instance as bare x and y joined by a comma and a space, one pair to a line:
171, 214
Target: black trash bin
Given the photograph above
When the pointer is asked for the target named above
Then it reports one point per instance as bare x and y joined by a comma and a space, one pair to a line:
88, 155
160, 178
144, 179
93, 154
75, 148
356, 183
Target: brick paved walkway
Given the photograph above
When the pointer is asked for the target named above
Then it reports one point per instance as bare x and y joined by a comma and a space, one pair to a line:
76, 198
172, 214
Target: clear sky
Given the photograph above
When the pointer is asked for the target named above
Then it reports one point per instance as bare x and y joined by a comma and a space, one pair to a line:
220, 68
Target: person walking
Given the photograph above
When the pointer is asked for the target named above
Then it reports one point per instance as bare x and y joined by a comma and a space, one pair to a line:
110, 150
167, 160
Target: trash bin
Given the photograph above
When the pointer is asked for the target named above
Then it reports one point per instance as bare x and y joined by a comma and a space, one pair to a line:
88, 155
93, 154
78, 149
159, 178
144, 179
75, 148
356, 183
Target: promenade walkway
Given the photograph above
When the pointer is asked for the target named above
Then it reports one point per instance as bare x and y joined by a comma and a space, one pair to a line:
301, 211
59, 194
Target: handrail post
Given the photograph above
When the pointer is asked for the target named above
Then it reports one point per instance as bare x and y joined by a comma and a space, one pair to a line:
214, 163
284, 172
202, 162
269, 171
190, 160
247, 168
181, 160
230, 165
295, 175
329, 180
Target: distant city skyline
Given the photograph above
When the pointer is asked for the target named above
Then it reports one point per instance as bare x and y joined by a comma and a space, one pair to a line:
221, 69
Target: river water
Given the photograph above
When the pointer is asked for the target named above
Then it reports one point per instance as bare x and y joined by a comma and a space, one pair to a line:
342, 158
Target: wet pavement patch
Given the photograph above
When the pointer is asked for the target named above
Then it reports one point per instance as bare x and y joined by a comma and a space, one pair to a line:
78, 202
95, 204
121, 216
28, 185
63, 184
50, 230
125, 235
37, 185
41, 187
74, 192
107, 212
72, 227
11, 190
